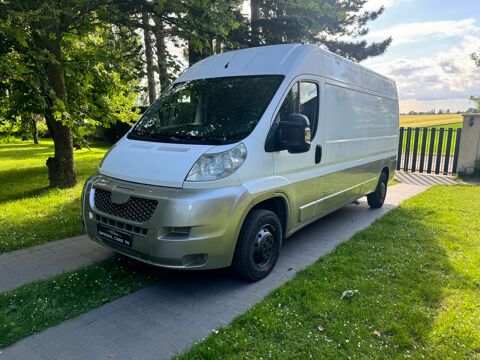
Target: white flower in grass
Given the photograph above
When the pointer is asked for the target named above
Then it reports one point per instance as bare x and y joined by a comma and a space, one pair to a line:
348, 294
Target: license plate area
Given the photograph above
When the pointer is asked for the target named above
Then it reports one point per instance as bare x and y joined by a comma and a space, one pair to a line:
114, 235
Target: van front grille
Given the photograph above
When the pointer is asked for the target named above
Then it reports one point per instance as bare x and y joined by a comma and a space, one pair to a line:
136, 209
121, 225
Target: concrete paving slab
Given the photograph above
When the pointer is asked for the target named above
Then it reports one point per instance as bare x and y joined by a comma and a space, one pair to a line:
44, 261
424, 179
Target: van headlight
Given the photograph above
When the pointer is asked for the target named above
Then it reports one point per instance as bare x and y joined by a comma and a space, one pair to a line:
216, 166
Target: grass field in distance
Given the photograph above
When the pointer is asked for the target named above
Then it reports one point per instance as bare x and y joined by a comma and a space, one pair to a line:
431, 120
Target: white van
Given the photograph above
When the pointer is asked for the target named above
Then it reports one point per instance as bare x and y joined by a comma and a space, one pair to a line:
242, 150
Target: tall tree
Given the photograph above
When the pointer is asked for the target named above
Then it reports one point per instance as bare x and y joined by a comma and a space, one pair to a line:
203, 23
255, 18
166, 16
103, 71
40, 26
21, 101
324, 22
476, 58
162, 54
148, 43
39, 32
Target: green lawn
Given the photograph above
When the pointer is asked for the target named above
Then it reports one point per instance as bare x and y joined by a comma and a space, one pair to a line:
417, 274
457, 125
36, 306
30, 213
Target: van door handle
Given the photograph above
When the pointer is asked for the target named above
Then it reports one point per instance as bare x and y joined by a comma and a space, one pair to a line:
318, 154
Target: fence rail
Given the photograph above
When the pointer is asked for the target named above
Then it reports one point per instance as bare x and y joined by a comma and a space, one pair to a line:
429, 150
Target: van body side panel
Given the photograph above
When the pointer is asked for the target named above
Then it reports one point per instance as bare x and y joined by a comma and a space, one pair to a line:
345, 145
360, 126
301, 192
382, 129
328, 204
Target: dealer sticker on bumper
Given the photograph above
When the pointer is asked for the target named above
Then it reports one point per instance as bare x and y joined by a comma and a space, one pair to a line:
110, 234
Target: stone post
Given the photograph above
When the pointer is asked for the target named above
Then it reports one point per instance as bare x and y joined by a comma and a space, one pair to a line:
469, 156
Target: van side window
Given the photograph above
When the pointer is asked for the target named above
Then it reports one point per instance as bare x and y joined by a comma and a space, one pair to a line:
309, 103
290, 104
302, 99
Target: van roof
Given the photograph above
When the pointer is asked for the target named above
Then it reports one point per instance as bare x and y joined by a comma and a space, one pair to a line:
290, 60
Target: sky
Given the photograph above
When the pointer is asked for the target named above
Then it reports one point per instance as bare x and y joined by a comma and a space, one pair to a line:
429, 57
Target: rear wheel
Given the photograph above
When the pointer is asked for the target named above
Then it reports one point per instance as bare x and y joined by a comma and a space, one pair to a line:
377, 198
258, 246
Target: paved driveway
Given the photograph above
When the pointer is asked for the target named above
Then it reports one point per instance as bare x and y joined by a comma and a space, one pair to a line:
170, 316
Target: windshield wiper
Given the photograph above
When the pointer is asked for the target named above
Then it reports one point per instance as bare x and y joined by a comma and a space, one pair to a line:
216, 141
182, 138
163, 137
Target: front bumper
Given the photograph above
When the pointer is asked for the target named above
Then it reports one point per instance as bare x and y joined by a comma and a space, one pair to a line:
189, 228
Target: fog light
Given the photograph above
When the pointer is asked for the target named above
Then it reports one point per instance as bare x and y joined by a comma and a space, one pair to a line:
180, 230
177, 233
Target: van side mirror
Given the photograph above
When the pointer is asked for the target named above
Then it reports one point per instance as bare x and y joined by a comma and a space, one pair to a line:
294, 135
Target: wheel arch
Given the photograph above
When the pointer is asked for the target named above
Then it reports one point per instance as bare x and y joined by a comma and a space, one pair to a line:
277, 204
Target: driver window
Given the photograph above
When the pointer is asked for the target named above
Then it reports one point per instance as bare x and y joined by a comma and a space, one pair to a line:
290, 104
302, 99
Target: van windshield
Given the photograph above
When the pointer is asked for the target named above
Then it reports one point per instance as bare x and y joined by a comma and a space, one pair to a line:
208, 111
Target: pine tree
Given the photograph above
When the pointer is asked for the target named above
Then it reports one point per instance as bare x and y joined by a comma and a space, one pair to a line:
329, 23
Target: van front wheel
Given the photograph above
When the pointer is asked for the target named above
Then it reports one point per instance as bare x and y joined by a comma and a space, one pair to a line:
377, 198
258, 246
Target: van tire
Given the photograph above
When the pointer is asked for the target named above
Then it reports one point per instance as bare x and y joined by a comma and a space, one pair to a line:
258, 245
377, 198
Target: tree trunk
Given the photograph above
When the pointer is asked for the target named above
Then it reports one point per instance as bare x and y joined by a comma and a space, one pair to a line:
61, 169
161, 54
254, 20
147, 38
218, 46
193, 55
34, 130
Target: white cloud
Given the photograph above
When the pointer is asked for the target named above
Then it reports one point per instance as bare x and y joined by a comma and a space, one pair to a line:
450, 72
428, 80
420, 31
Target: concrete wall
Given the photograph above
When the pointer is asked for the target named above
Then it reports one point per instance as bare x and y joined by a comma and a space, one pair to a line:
469, 144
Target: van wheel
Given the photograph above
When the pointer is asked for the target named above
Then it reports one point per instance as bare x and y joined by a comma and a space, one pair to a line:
377, 198
258, 246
